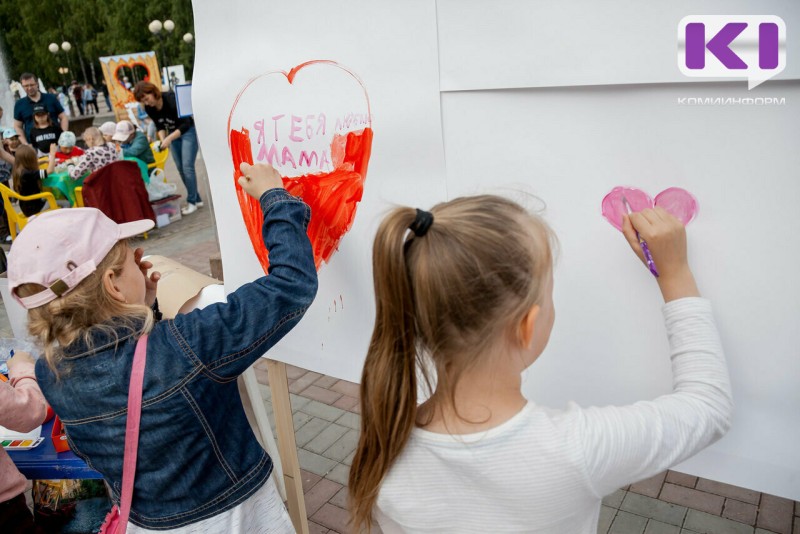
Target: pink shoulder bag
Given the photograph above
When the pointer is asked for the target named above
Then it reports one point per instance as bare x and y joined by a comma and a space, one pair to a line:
117, 519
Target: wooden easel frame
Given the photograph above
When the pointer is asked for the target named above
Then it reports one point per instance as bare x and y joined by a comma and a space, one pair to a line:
287, 447
286, 466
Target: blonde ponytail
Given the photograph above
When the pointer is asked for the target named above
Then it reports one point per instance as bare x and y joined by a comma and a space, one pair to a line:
443, 301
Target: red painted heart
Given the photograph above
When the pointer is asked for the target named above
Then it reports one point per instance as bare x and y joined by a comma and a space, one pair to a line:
312, 124
679, 202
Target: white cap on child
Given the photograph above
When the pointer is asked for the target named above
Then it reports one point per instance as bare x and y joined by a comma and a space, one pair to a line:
57, 249
108, 128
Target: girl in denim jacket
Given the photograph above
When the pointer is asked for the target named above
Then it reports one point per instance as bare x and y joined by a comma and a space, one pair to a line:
199, 468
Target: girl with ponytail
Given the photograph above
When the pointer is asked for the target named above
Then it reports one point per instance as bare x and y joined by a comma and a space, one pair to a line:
464, 305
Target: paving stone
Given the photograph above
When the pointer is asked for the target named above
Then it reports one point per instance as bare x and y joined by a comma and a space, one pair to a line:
728, 490
346, 402
299, 419
321, 394
340, 499
347, 388
325, 439
343, 447
775, 514
650, 486
681, 479
303, 382
309, 479
332, 517
356, 408
323, 411
625, 523
319, 465
762, 531
350, 420
293, 372
606, 517
652, 508
320, 494
615, 499
297, 401
740, 511
310, 430
314, 528
326, 382
692, 498
340, 473
266, 392
349, 461
711, 524
657, 527
262, 376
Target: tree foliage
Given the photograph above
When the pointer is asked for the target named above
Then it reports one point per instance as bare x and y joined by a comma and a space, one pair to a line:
94, 28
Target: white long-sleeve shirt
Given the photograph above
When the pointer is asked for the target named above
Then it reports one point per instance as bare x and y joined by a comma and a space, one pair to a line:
546, 471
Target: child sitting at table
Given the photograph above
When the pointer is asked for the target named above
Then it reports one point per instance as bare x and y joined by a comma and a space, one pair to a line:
66, 148
22, 408
98, 154
44, 133
26, 176
133, 142
107, 129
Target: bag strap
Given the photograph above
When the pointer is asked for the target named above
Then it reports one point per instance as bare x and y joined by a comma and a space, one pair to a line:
132, 432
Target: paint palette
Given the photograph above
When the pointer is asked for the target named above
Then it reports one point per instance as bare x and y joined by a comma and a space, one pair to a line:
13, 445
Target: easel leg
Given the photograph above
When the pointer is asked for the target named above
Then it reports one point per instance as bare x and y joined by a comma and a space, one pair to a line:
253, 395
282, 408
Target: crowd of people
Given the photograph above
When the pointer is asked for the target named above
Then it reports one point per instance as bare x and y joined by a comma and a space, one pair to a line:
41, 130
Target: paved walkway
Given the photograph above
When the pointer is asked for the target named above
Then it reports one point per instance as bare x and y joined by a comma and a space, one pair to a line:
326, 418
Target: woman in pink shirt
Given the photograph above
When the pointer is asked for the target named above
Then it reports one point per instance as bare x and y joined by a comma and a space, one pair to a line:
22, 408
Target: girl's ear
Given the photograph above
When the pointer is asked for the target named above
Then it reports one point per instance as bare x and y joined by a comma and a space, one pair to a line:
109, 285
527, 326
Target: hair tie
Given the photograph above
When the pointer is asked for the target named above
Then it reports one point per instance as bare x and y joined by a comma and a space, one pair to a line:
422, 222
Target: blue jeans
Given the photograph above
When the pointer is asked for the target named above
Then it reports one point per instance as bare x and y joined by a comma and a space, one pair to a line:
184, 153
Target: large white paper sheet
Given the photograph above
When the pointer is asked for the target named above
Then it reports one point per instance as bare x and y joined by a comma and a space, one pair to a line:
523, 43
572, 146
392, 49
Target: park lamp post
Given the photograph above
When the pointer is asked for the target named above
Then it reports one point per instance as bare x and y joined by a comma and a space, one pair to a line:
66, 47
155, 28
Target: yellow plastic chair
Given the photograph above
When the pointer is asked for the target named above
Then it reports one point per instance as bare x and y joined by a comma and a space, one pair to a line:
79, 197
16, 220
161, 158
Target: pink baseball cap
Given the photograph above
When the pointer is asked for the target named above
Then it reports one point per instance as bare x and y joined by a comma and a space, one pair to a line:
57, 249
123, 130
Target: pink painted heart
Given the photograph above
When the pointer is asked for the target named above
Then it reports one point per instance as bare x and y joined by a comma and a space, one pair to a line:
679, 202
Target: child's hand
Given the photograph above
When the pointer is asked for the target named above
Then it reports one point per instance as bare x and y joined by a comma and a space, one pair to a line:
19, 359
53, 149
666, 238
151, 282
259, 178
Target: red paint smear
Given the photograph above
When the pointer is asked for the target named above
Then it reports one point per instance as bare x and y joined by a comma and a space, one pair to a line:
333, 196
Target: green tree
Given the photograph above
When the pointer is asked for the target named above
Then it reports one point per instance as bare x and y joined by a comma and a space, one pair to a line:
95, 28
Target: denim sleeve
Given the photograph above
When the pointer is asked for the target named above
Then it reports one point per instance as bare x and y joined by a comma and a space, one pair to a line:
226, 338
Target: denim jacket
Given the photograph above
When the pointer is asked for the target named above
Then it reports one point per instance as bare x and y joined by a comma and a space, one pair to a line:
197, 453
